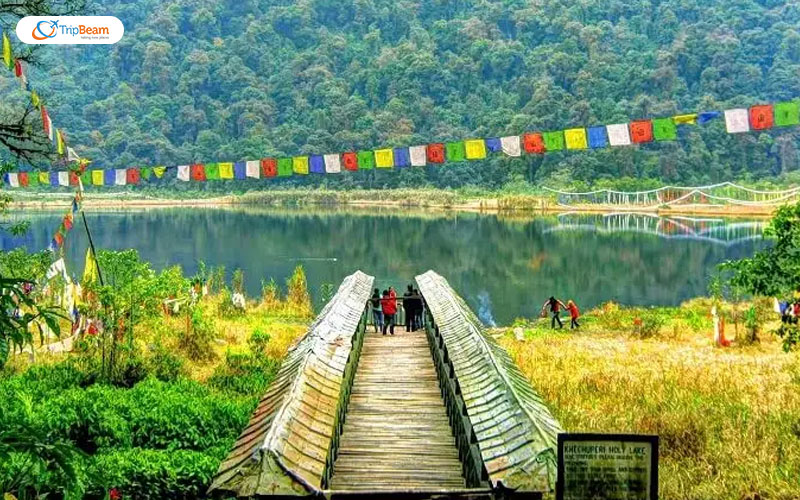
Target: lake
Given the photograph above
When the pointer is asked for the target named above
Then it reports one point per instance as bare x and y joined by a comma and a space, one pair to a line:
504, 266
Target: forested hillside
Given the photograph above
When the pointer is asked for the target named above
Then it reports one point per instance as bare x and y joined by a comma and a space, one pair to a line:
202, 80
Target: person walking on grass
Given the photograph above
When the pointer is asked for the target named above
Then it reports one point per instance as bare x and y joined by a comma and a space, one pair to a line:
574, 314
377, 312
555, 306
389, 308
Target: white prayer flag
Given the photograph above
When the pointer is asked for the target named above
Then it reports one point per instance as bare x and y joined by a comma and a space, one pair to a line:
332, 164
253, 169
72, 155
63, 178
418, 155
510, 145
183, 173
120, 177
737, 121
13, 180
50, 129
618, 134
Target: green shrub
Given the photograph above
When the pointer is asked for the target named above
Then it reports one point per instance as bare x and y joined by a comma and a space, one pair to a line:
651, 323
197, 338
258, 341
164, 365
244, 373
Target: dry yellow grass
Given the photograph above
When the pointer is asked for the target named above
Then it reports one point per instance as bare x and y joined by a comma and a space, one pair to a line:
729, 419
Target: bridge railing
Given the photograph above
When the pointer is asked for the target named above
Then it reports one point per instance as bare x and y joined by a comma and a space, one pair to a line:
473, 467
344, 396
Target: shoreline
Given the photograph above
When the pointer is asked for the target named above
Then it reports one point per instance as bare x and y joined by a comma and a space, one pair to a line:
416, 199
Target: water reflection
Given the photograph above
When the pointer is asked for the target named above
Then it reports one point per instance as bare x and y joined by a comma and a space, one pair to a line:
504, 267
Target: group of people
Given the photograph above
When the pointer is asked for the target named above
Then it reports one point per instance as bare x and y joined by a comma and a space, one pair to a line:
789, 311
555, 306
384, 309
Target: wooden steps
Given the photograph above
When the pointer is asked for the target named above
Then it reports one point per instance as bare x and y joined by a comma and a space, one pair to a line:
397, 436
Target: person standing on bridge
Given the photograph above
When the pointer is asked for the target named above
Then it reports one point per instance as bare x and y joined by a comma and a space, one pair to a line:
555, 306
389, 307
409, 306
377, 312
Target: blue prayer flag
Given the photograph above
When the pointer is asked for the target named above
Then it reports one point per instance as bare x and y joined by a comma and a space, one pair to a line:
54, 178
316, 164
401, 157
494, 145
239, 170
707, 116
597, 137
6, 180
109, 177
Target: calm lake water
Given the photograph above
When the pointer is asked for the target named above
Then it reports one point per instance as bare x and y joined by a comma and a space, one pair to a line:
505, 267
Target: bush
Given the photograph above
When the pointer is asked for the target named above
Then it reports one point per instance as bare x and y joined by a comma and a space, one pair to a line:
164, 365
270, 294
196, 339
258, 341
651, 323
244, 373
297, 296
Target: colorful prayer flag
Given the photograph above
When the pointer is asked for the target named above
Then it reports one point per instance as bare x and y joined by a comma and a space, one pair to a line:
63, 178
35, 99
198, 172
494, 145
707, 116
576, 138
97, 177
86, 177
109, 177
285, 167
475, 149
55, 179
17, 68
132, 176
59, 142
253, 169
120, 177
787, 113
23, 179
7, 58
553, 141
300, 165
641, 131
597, 137
688, 119
664, 129
239, 170
67, 221
436, 152
761, 117
90, 274
183, 173
316, 164
511, 145
225, 170
350, 161
455, 151
145, 173
333, 164
384, 158
618, 134
212, 171
366, 160
73, 178
34, 178
44, 178
736, 121
418, 155
401, 158
269, 167
58, 238
13, 180
159, 171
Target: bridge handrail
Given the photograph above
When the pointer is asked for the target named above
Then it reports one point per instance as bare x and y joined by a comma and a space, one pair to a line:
469, 453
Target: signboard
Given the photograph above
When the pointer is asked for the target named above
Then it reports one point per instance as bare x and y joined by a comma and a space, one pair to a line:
607, 467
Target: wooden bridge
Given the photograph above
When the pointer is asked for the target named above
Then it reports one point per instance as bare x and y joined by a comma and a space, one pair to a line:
437, 413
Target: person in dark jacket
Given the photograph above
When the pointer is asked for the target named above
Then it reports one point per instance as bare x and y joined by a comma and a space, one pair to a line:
377, 312
389, 308
419, 307
555, 307
408, 306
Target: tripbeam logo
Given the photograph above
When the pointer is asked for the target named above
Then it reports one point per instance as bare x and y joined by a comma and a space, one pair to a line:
70, 30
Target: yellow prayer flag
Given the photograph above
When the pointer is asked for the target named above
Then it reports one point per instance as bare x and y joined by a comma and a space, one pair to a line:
35, 99
97, 177
90, 274
475, 148
384, 158
300, 165
7, 51
690, 119
576, 138
44, 178
59, 143
225, 170
159, 171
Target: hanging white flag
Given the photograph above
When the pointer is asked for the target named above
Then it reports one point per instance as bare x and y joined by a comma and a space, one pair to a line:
736, 121
120, 177
183, 173
618, 134
333, 164
56, 268
72, 155
13, 180
253, 169
418, 155
50, 128
510, 145
63, 178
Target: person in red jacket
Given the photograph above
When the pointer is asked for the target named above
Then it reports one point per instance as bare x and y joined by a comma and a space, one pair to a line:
574, 314
389, 307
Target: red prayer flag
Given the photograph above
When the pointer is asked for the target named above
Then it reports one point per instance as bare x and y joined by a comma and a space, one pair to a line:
59, 238
17, 68
642, 131
533, 143
269, 167
350, 161
198, 172
761, 117
132, 176
73, 178
45, 120
23, 179
68, 222
436, 152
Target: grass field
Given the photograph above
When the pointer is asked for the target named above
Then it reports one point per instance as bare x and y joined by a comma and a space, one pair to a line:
728, 418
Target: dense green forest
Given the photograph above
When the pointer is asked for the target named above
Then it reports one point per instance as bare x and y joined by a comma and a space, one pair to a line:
201, 80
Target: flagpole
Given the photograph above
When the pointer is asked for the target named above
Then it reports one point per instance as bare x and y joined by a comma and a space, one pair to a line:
91, 247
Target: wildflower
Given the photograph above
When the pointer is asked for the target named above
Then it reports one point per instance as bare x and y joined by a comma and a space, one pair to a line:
114, 494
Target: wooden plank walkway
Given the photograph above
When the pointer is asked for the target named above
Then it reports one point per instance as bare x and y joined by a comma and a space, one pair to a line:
397, 436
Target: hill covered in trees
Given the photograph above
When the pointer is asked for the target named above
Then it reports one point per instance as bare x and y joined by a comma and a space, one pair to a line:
201, 80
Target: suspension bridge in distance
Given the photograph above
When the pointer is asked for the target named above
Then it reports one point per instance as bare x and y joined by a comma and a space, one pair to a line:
438, 413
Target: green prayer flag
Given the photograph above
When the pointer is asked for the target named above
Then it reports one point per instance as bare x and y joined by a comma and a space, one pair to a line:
86, 177
145, 172
33, 179
664, 129
366, 160
284, 167
212, 171
787, 113
455, 151
553, 141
